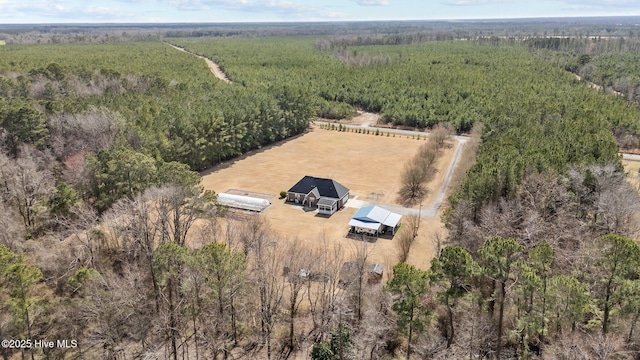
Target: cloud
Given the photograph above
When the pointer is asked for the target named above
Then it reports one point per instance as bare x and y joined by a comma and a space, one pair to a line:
281, 7
240, 5
567, 4
103, 13
6, 5
336, 15
372, 2
479, 2
44, 10
602, 4
136, 10
187, 5
199, 5
57, 7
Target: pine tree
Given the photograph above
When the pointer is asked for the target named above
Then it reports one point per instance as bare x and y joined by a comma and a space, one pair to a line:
409, 285
454, 268
499, 256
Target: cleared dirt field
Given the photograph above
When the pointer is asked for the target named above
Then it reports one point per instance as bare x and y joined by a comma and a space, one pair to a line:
370, 166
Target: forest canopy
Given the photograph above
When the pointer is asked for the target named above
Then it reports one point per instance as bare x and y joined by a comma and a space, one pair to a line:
103, 136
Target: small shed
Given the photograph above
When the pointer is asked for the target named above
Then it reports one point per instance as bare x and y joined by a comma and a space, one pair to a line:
376, 271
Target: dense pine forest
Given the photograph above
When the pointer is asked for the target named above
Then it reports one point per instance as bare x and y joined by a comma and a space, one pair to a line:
109, 239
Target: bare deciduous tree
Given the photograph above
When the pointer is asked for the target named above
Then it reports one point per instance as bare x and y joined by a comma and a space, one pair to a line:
413, 188
270, 285
299, 263
176, 209
92, 131
577, 345
376, 335
12, 229
265, 257
132, 229
323, 294
475, 334
355, 280
617, 203
441, 133
407, 237
417, 172
26, 186
253, 234
83, 228
110, 309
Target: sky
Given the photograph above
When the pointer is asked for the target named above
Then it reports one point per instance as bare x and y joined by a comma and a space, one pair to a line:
218, 11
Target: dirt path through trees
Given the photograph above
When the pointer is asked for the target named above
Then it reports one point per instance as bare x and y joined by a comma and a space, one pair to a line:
596, 86
365, 119
215, 69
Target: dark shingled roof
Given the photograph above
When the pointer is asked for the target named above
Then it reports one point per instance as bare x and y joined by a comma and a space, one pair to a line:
326, 187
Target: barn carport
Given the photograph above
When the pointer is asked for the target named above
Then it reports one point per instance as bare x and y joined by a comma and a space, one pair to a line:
374, 220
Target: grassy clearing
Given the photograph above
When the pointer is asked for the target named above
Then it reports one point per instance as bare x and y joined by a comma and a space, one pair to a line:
366, 164
632, 168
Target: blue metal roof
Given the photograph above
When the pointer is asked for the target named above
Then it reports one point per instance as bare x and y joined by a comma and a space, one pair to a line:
363, 214
375, 215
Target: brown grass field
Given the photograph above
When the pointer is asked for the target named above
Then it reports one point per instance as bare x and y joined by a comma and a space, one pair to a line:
631, 167
365, 164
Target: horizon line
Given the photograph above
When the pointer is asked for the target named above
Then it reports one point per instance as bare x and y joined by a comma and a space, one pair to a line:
324, 21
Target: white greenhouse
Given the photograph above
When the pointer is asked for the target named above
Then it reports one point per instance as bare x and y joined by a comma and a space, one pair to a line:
243, 202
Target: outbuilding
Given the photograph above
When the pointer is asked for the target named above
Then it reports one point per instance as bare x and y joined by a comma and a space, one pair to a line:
374, 220
243, 202
375, 274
